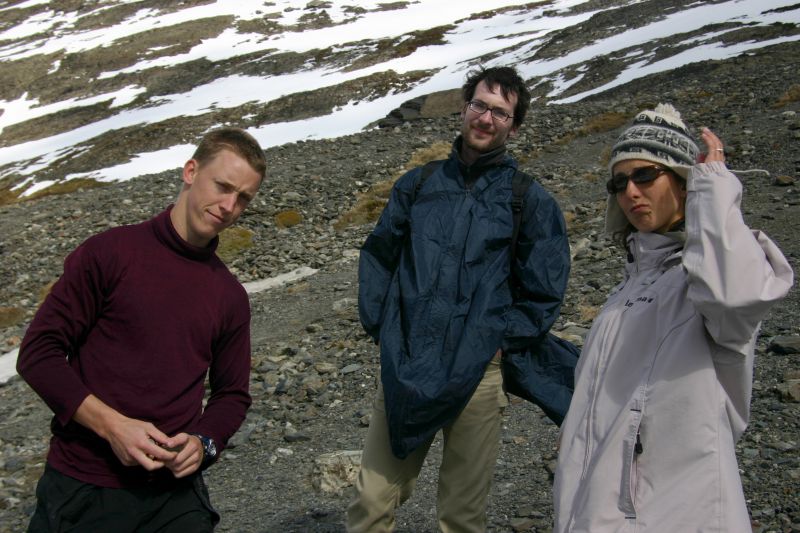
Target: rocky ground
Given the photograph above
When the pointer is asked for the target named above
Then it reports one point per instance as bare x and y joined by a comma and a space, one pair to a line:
314, 371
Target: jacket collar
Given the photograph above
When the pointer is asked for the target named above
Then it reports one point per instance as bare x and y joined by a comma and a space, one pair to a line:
653, 250
471, 173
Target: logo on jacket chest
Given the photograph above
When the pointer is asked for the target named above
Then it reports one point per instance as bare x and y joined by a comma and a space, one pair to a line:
641, 299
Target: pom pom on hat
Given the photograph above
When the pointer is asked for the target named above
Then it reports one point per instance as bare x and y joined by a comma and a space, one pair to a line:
660, 136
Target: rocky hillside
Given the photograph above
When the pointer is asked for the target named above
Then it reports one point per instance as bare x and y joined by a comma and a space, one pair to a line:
90, 86
314, 371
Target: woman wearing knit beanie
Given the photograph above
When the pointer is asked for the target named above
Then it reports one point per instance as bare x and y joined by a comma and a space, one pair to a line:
663, 385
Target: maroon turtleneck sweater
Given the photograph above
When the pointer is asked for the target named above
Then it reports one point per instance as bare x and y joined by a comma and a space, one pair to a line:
137, 319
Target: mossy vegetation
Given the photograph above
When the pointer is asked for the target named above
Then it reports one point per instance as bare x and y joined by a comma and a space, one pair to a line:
232, 241
569, 218
603, 122
7, 196
390, 6
605, 156
590, 177
288, 218
44, 291
791, 95
402, 46
438, 150
595, 124
313, 20
588, 312
370, 204
10, 196
66, 187
267, 25
299, 287
11, 316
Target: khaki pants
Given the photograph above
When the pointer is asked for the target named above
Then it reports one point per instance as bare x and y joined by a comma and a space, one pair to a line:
468, 458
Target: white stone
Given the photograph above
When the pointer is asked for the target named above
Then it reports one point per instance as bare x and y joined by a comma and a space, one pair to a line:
336, 471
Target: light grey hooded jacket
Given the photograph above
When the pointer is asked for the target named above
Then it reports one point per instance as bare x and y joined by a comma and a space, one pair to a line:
663, 385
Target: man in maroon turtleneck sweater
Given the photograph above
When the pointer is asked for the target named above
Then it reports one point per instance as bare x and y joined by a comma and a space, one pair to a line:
120, 349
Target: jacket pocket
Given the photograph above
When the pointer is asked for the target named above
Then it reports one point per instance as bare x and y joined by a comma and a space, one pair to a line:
632, 448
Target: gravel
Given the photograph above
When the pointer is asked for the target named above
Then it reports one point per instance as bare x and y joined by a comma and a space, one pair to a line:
314, 370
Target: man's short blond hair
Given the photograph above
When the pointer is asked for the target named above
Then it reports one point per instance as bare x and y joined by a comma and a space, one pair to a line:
237, 141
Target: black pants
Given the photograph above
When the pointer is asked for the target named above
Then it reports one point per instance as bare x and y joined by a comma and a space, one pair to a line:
64, 504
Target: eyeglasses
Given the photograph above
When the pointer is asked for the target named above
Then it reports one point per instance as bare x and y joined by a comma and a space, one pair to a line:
480, 108
619, 182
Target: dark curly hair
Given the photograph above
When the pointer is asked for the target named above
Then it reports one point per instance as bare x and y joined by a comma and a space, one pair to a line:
509, 81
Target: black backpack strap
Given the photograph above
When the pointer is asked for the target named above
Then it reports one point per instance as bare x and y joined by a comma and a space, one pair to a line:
427, 169
520, 184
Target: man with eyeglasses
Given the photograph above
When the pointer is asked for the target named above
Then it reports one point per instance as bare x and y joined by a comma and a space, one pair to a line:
434, 293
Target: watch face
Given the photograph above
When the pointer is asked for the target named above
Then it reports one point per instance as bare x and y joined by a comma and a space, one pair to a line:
211, 448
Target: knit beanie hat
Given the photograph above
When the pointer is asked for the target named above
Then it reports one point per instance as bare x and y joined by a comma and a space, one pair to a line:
657, 135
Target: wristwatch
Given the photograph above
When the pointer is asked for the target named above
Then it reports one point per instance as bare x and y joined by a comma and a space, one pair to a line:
209, 449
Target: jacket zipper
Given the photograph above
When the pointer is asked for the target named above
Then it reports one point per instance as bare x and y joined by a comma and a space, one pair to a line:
623, 297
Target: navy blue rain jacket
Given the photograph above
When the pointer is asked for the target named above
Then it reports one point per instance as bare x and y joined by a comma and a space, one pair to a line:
434, 287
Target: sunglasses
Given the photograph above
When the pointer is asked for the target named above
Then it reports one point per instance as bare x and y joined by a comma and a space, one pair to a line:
619, 182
